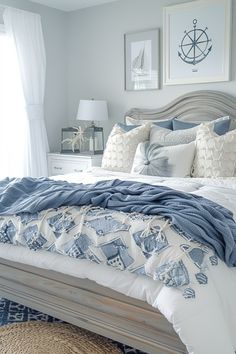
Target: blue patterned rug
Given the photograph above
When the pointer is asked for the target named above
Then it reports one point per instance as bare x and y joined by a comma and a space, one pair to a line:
11, 312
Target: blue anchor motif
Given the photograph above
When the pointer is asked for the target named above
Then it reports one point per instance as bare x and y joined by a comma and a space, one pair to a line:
195, 45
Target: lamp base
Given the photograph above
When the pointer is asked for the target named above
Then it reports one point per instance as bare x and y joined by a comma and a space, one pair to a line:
94, 139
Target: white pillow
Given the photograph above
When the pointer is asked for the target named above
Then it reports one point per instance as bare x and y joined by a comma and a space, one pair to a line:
164, 161
215, 155
121, 147
166, 137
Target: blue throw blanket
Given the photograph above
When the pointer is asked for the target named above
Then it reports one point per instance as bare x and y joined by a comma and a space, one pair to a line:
196, 217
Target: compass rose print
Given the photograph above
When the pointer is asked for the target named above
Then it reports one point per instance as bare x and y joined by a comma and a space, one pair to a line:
195, 45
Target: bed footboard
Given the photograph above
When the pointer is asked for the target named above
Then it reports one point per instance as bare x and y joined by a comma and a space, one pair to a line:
91, 306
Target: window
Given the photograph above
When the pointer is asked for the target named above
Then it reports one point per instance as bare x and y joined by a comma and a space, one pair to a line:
12, 111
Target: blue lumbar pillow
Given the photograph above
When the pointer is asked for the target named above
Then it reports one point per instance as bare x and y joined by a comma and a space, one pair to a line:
221, 125
167, 124
127, 128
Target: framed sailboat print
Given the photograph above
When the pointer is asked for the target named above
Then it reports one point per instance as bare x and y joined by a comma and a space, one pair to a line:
142, 60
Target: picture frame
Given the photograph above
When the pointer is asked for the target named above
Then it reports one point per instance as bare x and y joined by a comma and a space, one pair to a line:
142, 60
196, 42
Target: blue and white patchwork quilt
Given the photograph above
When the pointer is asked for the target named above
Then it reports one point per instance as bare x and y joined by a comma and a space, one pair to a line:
148, 259
198, 218
134, 242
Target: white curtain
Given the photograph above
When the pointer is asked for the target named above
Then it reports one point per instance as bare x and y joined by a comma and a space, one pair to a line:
13, 118
25, 30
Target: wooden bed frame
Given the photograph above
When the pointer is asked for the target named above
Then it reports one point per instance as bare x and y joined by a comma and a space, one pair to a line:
97, 308
89, 305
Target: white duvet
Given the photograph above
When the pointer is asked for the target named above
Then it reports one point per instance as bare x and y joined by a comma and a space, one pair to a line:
206, 324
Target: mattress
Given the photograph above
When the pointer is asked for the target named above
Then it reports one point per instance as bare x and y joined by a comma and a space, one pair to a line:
206, 324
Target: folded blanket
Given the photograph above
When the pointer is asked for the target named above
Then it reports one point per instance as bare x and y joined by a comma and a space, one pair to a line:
197, 218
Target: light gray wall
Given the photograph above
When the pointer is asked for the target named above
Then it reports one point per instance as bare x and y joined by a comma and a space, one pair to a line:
96, 57
54, 23
85, 59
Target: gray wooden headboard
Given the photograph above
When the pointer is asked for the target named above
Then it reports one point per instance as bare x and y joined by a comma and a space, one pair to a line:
195, 106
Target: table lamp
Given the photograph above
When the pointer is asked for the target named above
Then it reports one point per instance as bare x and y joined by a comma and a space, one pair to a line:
93, 110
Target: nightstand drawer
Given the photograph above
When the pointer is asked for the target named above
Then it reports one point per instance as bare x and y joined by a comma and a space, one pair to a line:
63, 167
60, 164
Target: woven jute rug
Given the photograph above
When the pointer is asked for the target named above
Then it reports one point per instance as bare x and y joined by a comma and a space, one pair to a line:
52, 338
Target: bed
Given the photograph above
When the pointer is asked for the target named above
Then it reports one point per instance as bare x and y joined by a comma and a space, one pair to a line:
63, 291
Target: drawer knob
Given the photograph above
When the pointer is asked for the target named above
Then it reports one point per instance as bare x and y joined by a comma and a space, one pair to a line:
75, 170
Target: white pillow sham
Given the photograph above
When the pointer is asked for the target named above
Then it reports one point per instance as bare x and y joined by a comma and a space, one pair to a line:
121, 146
164, 161
215, 155
166, 137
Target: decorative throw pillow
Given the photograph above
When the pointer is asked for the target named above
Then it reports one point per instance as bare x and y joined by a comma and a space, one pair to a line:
167, 137
221, 125
126, 127
121, 147
164, 161
215, 155
166, 123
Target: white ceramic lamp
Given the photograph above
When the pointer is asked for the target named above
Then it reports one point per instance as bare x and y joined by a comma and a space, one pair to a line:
92, 110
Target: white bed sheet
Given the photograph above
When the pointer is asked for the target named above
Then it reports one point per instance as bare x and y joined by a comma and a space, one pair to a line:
130, 284
207, 324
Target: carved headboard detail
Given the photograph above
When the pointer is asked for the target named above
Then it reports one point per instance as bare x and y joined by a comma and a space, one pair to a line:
195, 106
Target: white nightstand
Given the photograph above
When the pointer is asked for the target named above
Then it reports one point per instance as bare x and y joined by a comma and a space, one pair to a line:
59, 164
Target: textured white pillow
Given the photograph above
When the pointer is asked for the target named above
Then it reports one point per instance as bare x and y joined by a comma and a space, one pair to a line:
168, 137
215, 155
121, 147
164, 161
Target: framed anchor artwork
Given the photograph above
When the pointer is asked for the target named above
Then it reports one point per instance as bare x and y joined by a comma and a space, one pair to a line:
196, 41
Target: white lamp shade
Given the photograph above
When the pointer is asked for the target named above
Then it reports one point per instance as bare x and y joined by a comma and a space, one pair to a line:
92, 110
